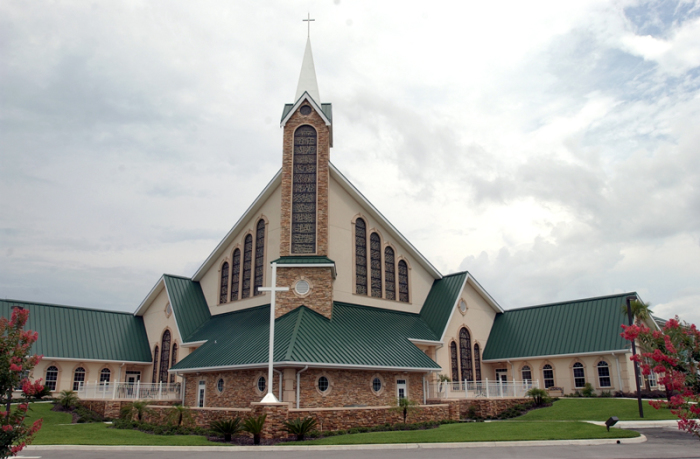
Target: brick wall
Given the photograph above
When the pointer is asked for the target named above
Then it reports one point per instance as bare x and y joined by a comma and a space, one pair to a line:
347, 418
240, 388
319, 298
111, 408
459, 409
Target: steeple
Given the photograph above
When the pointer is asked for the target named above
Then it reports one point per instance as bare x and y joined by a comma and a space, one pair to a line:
307, 77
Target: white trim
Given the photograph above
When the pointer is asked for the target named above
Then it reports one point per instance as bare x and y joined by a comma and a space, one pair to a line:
313, 103
298, 364
489, 299
194, 343
228, 239
149, 298
374, 213
427, 342
78, 359
454, 307
554, 356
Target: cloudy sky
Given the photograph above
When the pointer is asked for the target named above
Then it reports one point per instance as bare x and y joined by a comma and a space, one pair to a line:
550, 148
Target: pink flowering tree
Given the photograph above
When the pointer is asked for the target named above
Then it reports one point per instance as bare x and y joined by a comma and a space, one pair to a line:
15, 361
674, 355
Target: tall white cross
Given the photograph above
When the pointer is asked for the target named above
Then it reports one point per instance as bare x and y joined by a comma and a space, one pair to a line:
270, 397
308, 23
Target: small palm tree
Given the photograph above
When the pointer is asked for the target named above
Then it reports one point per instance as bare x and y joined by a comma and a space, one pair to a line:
68, 399
539, 396
640, 310
442, 379
227, 428
254, 425
300, 427
178, 414
405, 407
138, 408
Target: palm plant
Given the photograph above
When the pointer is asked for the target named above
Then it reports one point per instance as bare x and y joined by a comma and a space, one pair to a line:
177, 414
640, 310
300, 427
227, 428
405, 407
68, 399
254, 425
139, 408
539, 396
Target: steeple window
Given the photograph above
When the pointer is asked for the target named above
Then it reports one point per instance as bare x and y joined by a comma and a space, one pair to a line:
375, 251
304, 182
259, 256
235, 274
389, 273
360, 257
247, 260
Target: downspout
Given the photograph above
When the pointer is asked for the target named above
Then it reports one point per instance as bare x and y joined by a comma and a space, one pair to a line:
298, 379
280, 373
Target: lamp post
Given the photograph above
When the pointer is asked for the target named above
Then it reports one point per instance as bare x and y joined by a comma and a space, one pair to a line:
629, 300
270, 397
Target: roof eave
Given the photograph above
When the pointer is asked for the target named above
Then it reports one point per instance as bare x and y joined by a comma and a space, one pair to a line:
302, 364
554, 356
313, 103
150, 297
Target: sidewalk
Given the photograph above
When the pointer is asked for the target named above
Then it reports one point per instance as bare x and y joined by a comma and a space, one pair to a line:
639, 424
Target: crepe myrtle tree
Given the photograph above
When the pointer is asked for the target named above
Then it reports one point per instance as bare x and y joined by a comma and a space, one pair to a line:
674, 354
15, 364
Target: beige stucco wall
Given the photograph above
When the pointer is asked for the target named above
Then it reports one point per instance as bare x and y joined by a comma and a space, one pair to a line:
343, 209
66, 369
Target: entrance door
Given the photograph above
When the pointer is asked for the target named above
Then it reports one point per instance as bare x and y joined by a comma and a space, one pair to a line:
401, 389
200, 394
502, 376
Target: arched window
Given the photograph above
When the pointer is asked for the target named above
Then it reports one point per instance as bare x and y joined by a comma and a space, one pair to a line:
78, 378
548, 376
155, 365
235, 273
164, 357
223, 294
51, 377
360, 257
477, 362
389, 274
247, 259
304, 191
526, 374
105, 376
375, 262
465, 352
455, 361
603, 374
579, 375
173, 361
259, 256
403, 281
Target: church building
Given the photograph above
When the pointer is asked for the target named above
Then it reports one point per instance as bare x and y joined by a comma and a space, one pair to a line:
366, 318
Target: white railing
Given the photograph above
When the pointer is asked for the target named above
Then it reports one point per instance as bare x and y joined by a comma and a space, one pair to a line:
480, 389
128, 391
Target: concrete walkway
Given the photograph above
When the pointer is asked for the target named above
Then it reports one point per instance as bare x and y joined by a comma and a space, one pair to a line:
640, 424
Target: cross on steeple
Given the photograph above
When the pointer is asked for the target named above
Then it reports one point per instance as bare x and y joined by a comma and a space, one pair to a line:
308, 23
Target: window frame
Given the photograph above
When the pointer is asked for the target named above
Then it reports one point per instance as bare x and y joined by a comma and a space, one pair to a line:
603, 365
579, 380
47, 380
548, 367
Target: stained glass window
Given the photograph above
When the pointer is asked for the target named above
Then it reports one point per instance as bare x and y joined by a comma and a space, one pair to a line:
603, 374
389, 273
375, 260
247, 259
360, 257
164, 357
465, 353
455, 361
579, 375
403, 281
477, 362
51, 377
173, 361
78, 378
259, 256
304, 191
548, 375
235, 273
155, 365
223, 294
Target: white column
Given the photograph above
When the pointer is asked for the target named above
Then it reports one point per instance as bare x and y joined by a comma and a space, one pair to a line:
270, 397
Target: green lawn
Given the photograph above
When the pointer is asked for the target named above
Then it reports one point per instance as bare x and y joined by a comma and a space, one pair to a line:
481, 431
595, 409
58, 430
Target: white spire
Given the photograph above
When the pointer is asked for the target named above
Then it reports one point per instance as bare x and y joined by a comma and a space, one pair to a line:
307, 77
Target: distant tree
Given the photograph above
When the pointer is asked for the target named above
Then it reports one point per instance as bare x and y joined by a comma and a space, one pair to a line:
15, 364
640, 311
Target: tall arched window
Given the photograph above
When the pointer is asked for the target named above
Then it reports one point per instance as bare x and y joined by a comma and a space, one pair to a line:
259, 256
155, 365
304, 191
477, 362
223, 294
403, 281
360, 257
105, 376
235, 273
548, 375
375, 262
526, 374
78, 378
603, 374
51, 377
455, 362
247, 259
164, 357
389, 274
173, 361
465, 352
579, 375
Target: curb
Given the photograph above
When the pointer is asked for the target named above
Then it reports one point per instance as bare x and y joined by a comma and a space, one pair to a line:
480, 444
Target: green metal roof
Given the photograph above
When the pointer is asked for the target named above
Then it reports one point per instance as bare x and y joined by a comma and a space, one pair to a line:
572, 327
188, 302
302, 260
81, 333
327, 110
441, 299
355, 336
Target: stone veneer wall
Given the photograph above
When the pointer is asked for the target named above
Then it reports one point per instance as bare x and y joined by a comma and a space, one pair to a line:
319, 298
111, 408
240, 388
483, 407
347, 418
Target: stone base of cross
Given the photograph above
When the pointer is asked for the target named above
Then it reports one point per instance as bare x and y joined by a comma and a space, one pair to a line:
270, 397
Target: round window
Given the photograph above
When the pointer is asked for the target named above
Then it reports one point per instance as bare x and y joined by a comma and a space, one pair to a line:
302, 287
220, 385
305, 110
462, 306
323, 384
376, 384
261, 384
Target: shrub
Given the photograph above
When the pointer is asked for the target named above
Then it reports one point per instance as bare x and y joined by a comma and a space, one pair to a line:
605, 393
300, 427
471, 412
179, 414
226, 428
139, 408
254, 425
539, 396
588, 390
68, 399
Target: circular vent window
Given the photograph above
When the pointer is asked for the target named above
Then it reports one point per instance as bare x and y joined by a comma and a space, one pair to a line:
302, 287
305, 110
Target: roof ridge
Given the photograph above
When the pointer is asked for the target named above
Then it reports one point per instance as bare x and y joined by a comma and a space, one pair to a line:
342, 303
80, 308
179, 277
458, 273
225, 314
293, 338
580, 300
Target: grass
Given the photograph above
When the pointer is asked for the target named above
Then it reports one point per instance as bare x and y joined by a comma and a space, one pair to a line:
480, 431
596, 409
